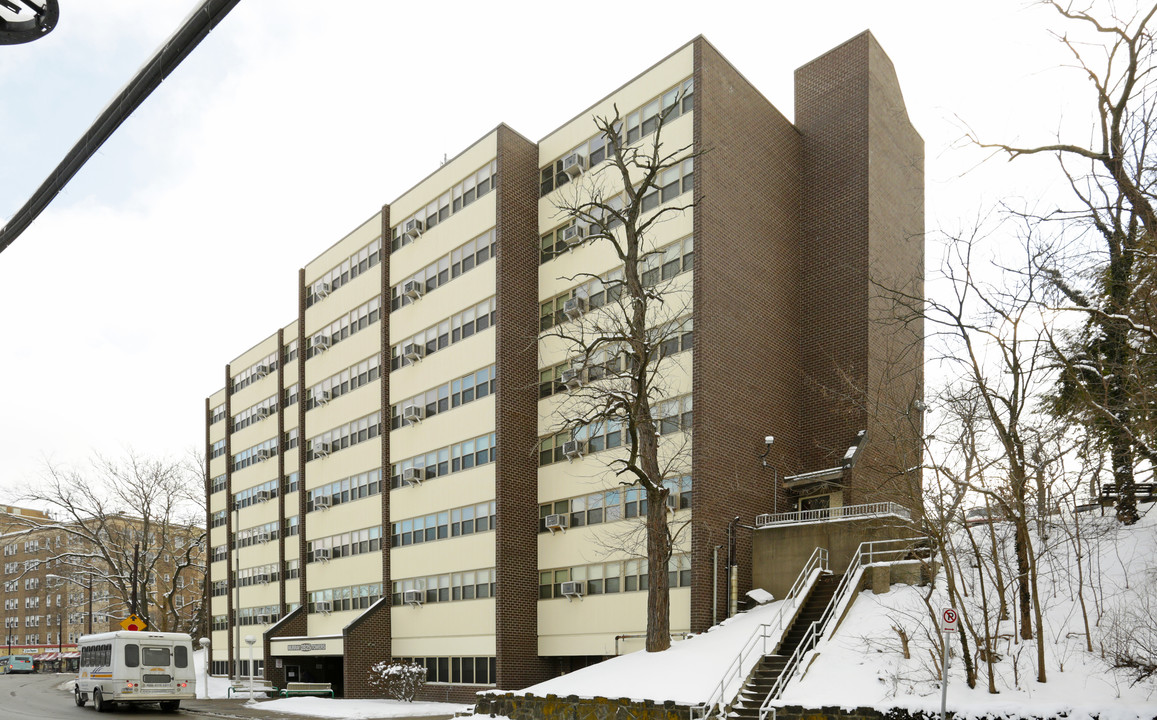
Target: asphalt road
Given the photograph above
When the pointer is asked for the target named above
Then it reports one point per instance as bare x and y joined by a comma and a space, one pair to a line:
28, 697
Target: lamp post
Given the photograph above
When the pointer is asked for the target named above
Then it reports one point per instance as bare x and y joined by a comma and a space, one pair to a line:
204, 642
249, 640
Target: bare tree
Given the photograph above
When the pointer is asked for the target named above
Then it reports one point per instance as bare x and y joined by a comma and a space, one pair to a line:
1103, 267
127, 526
621, 326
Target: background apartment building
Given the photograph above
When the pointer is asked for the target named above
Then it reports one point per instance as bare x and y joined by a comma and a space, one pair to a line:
55, 589
387, 478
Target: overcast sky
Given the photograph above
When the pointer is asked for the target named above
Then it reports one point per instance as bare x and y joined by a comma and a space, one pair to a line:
176, 248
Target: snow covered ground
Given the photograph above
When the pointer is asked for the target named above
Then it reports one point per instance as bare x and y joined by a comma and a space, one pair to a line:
863, 665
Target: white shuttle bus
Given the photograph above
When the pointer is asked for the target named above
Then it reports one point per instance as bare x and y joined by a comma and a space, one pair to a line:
135, 667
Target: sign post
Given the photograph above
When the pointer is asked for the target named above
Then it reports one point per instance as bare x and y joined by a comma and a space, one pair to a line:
949, 623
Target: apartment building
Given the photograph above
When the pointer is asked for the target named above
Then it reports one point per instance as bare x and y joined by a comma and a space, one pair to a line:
387, 477
54, 589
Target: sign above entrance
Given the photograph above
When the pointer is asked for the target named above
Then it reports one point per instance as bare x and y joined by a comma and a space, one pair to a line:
306, 647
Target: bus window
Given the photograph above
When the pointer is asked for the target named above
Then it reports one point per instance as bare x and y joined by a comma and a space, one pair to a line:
132, 655
156, 656
181, 656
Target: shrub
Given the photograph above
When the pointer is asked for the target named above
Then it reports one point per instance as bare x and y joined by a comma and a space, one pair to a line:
396, 680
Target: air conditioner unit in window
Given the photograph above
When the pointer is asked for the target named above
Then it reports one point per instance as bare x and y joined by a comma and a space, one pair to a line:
320, 343
574, 164
323, 606
573, 235
556, 522
413, 229
261, 495
260, 370
322, 289
413, 413
262, 455
413, 352
320, 449
261, 413
672, 501
574, 449
322, 502
321, 554
414, 476
572, 589
413, 289
572, 379
261, 537
574, 308
262, 619
262, 578
412, 597
322, 397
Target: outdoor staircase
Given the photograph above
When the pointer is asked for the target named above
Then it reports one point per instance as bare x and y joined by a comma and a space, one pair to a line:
769, 668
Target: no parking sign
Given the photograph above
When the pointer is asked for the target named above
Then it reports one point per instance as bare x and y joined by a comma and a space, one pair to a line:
949, 622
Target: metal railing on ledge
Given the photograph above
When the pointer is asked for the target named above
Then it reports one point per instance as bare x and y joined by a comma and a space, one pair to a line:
868, 553
735, 674
836, 513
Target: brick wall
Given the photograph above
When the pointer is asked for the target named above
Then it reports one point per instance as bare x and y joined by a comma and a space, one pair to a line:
746, 309
294, 624
516, 408
863, 221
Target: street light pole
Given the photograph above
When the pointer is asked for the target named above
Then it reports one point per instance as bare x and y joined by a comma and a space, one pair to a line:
249, 640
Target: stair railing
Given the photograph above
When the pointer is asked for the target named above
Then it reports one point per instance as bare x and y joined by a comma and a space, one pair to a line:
868, 553
733, 676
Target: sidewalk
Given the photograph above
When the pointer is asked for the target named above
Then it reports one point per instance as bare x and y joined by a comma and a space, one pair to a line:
237, 707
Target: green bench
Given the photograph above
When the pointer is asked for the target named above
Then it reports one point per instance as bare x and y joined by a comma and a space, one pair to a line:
303, 688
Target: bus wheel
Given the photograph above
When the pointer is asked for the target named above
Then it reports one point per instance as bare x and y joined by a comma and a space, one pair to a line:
99, 703
170, 705
78, 697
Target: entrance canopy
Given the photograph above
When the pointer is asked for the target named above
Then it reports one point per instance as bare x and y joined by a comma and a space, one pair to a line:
314, 646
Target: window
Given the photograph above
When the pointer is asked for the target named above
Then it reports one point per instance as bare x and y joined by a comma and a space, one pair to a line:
448, 332
472, 187
448, 587
669, 106
446, 268
352, 322
346, 381
132, 655
461, 391
346, 490
254, 372
442, 525
340, 274
460, 456
348, 435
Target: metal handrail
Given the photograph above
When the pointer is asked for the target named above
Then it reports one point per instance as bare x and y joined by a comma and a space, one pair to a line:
845, 511
817, 563
817, 628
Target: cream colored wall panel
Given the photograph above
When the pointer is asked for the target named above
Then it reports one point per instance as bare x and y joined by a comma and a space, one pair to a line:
218, 605
558, 276
460, 619
219, 568
662, 76
456, 646
605, 542
568, 479
461, 292
217, 398
253, 393
217, 465
446, 364
353, 460
460, 228
257, 554
455, 490
355, 348
217, 431
363, 513
254, 475
359, 403
469, 552
350, 295
340, 251
257, 595
601, 618
264, 347
219, 501
444, 178
461, 423
343, 572
321, 624
254, 434
256, 514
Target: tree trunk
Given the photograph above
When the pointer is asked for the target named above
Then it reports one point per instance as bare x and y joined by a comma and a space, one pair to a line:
658, 580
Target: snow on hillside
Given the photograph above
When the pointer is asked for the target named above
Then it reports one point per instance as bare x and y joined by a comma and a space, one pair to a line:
863, 664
